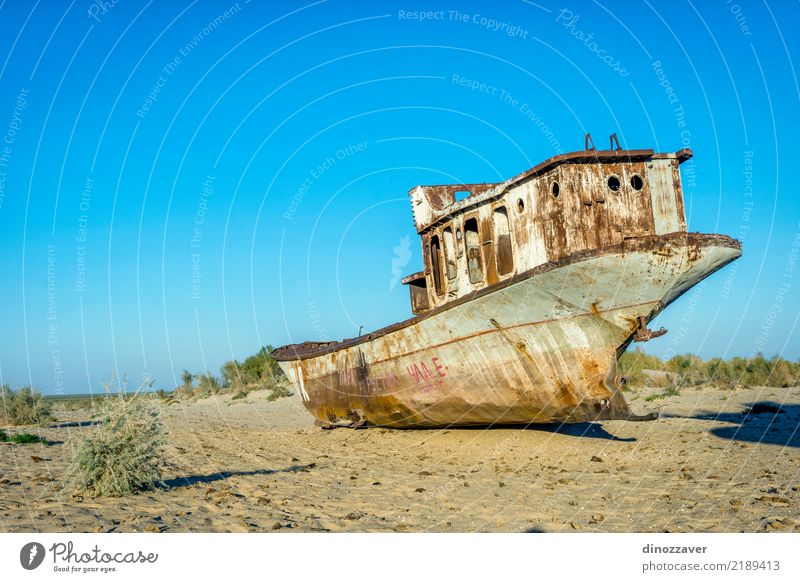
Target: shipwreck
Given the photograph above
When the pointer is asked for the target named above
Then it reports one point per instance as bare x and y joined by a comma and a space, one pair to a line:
531, 290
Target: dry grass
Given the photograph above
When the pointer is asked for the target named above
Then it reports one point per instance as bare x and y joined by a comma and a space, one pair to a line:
25, 406
643, 369
124, 453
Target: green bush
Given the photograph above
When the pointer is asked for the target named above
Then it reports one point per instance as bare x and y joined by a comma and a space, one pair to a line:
22, 438
258, 371
278, 391
25, 406
124, 453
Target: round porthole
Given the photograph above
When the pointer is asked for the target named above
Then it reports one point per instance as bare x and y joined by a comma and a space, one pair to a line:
613, 183
458, 233
636, 182
555, 189
520, 205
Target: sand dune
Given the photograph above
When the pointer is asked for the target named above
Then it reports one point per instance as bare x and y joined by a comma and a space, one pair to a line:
254, 465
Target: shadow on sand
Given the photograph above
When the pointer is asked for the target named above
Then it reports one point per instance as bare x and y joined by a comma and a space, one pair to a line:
81, 424
765, 422
189, 480
589, 430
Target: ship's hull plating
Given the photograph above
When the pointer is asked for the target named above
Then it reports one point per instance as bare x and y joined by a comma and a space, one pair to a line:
541, 348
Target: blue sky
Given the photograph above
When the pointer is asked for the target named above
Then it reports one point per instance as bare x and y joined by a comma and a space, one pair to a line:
181, 183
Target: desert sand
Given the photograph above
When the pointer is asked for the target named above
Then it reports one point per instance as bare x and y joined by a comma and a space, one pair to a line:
252, 465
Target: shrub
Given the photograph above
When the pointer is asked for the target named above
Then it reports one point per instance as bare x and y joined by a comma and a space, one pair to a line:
258, 372
692, 370
124, 453
672, 391
184, 391
187, 377
22, 438
261, 368
207, 385
278, 391
633, 363
232, 379
25, 406
781, 373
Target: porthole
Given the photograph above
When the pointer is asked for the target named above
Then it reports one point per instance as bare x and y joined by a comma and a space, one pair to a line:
520, 206
458, 233
613, 183
636, 182
555, 189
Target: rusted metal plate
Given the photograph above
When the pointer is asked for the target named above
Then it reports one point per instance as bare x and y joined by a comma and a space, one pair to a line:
554, 272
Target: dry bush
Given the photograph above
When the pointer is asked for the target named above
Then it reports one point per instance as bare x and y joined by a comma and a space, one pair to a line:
25, 406
671, 391
637, 366
690, 370
184, 392
124, 453
278, 391
207, 385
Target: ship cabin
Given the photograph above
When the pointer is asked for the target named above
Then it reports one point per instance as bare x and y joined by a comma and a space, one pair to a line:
476, 236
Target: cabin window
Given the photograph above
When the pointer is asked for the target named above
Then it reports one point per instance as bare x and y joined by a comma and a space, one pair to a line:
555, 189
436, 265
520, 205
613, 183
502, 235
449, 253
473, 247
636, 182
460, 195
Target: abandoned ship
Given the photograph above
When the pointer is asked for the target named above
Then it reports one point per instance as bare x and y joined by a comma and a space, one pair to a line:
531, 290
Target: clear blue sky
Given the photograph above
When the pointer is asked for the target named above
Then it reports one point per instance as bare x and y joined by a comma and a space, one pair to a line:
181, 183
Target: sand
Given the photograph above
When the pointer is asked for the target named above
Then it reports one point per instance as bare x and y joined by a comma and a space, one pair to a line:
253, 465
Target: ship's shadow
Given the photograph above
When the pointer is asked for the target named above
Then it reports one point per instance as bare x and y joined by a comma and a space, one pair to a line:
589, 430
765, 422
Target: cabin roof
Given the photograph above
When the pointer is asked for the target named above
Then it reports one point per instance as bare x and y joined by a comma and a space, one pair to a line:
441, 197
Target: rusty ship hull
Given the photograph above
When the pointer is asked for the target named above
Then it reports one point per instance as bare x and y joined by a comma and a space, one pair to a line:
533, 346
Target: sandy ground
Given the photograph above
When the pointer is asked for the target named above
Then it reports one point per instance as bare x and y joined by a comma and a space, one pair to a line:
253, 465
